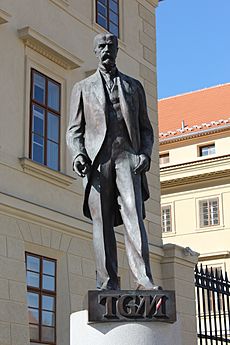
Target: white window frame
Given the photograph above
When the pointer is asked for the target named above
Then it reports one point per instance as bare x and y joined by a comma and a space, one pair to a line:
211, 213
172, 219
221, 216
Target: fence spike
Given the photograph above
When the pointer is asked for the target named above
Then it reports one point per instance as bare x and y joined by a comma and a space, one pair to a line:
212, 273
201, 269
226, 276
221, 275
206, 271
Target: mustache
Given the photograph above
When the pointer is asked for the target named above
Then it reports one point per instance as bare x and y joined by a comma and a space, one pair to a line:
106, 56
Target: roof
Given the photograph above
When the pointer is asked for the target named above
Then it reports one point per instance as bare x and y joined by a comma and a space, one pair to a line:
193, 112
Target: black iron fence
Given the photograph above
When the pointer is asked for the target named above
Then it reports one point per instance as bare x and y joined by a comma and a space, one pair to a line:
213, 306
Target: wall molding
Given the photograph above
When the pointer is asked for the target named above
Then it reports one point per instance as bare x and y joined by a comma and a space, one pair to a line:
42, 172
49, 48
4, 17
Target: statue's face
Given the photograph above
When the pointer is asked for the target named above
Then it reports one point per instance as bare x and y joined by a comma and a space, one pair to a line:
105, 47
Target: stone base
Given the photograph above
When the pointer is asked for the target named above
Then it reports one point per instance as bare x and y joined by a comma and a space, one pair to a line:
131, 333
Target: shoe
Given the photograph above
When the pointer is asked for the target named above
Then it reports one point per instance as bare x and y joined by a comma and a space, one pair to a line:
149, 287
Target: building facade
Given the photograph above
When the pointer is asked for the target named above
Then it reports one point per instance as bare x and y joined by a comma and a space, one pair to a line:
46, 253
195, 173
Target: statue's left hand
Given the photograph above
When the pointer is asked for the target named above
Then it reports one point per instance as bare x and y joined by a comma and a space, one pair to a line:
143, 165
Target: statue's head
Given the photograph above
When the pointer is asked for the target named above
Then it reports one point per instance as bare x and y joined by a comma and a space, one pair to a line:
106, 48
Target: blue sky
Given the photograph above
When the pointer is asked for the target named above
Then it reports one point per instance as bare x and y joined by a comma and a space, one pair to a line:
193, 45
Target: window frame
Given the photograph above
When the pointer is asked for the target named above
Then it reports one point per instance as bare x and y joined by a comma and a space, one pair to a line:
208, 146
46, 109
164, 154
43, 292
171, 219
201, 220
107, 18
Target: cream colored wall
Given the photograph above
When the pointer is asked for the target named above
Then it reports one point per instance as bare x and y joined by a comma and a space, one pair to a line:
188, 151
72, 28
210, 242
41, 210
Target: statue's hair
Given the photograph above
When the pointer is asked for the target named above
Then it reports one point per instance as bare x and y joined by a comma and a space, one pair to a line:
97, 37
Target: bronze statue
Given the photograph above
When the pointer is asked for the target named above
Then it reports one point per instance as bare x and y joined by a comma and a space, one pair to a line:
111, 139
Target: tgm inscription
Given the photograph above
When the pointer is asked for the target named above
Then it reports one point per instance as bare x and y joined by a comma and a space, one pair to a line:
132, 306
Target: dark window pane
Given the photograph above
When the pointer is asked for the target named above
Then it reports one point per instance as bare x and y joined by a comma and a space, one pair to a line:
113, 29
34, 332
33, 316
39, 88
48, 318
33, 300
48, 283
33, 279
47, 334
113, 17
38, 120
33, 263
102, 21
104, 2
207, 150
53, 127
113, 5
52, 155
102, 9
48, 303
53, 95
38, 149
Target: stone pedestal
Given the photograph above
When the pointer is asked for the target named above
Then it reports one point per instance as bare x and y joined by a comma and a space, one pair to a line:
130, 333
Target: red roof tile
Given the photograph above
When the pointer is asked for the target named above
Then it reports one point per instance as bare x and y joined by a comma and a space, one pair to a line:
202, 109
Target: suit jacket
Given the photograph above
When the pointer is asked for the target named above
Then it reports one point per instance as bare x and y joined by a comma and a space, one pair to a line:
89, 118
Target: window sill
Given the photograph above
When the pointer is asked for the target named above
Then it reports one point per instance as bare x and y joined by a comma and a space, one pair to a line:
211, 228
44, 173
48, 48
168, 234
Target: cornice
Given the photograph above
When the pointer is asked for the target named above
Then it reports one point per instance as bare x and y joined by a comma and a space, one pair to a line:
4, 17
191, 135
201, 162
45, 173
49, 48
195, 179
197, 172
214, 255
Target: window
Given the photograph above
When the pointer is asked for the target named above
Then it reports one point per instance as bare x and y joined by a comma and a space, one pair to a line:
45, 120
41, 298
207, 150
209, 212
166, 222
107, 15
213, 298
164, 158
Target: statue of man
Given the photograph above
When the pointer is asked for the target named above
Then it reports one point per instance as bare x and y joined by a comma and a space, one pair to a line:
111, 139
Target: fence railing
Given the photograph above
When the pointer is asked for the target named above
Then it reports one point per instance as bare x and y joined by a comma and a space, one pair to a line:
213, 306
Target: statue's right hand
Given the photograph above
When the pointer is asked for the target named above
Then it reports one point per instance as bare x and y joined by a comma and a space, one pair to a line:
81, 165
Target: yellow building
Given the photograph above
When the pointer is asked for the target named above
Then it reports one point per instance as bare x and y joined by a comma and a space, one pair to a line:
195, 172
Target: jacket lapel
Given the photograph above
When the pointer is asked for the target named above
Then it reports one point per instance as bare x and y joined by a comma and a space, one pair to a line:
124, 102
98, 88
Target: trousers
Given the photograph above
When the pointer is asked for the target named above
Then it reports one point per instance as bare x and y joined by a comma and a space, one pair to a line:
113, 181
